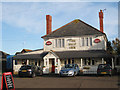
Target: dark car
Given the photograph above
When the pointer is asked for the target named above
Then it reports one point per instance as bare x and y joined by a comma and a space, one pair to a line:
104, 69
30, 70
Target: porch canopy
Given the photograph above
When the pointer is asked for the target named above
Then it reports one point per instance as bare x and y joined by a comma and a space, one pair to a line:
30, 56
84, 54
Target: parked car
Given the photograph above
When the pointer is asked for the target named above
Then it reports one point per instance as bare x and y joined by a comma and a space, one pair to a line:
70, 70
30, 70
104, 69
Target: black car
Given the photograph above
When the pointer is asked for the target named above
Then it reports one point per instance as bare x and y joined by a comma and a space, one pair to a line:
30, 70
104, 69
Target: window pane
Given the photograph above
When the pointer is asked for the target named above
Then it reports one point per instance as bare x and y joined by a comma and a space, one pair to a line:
55, 42
72, 61
63, 43
93, 63
65, 62
15, 62
39, 62
86, 41
59, 42
35, 62
85, 62
90, 41
82, 41
68, 61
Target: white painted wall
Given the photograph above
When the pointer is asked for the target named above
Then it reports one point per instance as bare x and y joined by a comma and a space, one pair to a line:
78, 40
47, 64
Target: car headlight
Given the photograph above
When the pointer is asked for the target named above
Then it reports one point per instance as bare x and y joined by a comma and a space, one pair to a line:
71, 72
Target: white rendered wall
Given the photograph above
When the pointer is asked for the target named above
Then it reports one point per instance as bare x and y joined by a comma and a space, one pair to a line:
95, 46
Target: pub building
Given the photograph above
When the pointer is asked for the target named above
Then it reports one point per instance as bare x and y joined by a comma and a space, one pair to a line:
74, 43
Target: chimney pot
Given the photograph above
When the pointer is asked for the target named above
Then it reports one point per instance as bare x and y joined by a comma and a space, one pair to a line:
48, 24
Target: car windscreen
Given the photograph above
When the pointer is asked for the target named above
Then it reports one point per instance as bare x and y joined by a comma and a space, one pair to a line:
69, 66
25, 67
104, 67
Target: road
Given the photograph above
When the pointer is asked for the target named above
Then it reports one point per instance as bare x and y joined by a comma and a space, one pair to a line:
54, 81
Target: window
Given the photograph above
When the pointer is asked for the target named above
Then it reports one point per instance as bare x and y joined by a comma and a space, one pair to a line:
88, 61
65, 62
15, 62
90, 41
72, 60
63, 43
56, 43
93, 62
85, 62
35, 62
86, 41
82, 41
39, 63
118, 61
59, 43
24, 61
68, 61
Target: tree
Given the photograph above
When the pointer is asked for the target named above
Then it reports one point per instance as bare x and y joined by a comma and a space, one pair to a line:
109, 47
116, 46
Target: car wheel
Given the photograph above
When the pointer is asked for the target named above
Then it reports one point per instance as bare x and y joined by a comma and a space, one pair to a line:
41, 73
74, 74
60, 75
78, 73
110, 75
33, 75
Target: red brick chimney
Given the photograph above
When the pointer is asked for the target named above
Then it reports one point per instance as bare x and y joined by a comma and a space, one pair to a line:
101, 20
48, 24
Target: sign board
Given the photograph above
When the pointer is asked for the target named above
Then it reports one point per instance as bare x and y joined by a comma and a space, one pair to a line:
97, 40
48, 43
7, 81
71, 43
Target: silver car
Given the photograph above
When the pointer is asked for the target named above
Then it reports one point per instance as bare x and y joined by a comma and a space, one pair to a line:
70, 70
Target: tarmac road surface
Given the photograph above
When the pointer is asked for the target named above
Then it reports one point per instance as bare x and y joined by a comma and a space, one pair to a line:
54, 81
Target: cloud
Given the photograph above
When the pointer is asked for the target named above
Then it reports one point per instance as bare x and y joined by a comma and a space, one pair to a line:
31, 16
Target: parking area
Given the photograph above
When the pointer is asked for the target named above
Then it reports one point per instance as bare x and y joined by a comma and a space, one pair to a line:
54, 81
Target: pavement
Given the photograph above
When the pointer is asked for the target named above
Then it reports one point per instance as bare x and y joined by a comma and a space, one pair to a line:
54, 81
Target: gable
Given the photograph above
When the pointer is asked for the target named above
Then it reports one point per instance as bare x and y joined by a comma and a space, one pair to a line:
51, 55
75, 28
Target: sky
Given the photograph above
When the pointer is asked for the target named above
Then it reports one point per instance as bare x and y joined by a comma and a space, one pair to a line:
24, 23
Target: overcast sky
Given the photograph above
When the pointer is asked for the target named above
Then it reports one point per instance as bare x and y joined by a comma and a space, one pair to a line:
23, 23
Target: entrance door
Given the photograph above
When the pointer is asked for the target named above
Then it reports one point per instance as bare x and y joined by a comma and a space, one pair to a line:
52, 65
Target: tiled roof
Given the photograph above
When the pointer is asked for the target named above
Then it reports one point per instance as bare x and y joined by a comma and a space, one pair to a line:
83, 54
68, 54
3, 54
75, 28
30, 56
